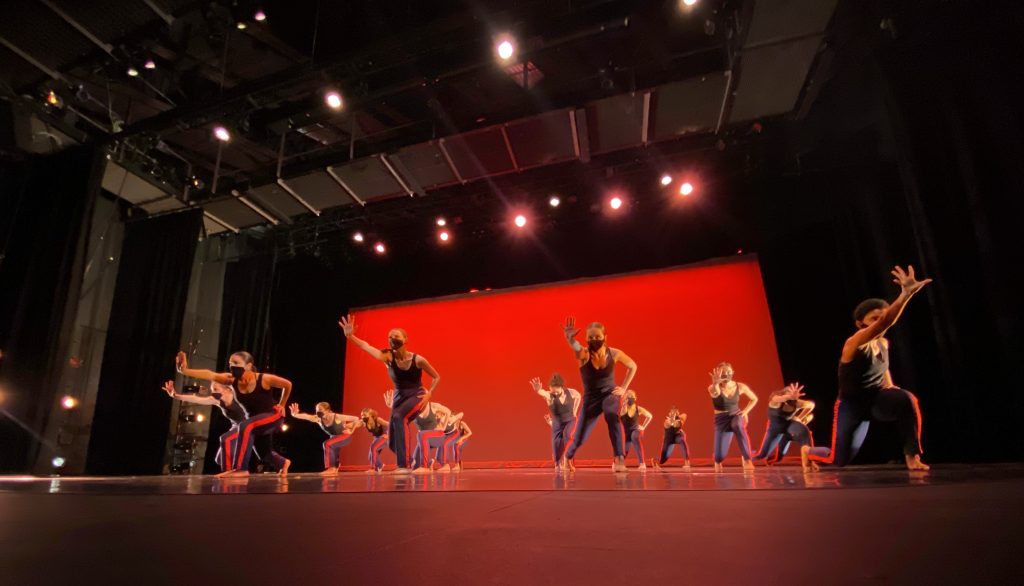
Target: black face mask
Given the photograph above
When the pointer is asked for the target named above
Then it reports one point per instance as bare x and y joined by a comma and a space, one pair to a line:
631, 401
237, 371
595, 345
395, 343
320, 414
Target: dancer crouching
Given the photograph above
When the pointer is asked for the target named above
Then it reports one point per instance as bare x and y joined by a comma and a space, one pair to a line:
337, 426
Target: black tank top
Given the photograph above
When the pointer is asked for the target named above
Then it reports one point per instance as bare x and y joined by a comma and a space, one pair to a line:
600, 381
671, 425
234, 412
258, 401
428, 421
783, 412
561, 411
631, 421
376, 431
730, 403
406, 382
336, 428
865, 374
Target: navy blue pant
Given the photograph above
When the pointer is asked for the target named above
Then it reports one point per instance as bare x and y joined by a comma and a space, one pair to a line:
673, 437
332, 449
261, 425
778, 436
853, 417
426, 442
726, 426
375, 449
445, 453
635, 441
561, 437
595, 405
400, 438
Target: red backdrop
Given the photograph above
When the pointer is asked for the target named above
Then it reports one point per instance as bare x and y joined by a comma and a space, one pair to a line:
676, 324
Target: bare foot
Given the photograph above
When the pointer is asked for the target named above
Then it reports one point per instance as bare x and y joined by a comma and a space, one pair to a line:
686, 465
446, 468
642, 468
237, 474
748, 464
224, 474
457, 468
371, 471
719, 467
422, 470
805, 460
284, 469
572, 465
329, 472
914, 463
655, 465
400, 471
619, 465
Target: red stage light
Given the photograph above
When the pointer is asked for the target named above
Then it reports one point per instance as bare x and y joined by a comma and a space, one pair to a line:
444, 236
615, 202
506, 49
379, 248
358, 237
686, 189
520, 221
666, 179
69, 402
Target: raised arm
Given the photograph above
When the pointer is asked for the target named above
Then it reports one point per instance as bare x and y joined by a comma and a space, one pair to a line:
647, 416
751, 398
347, 323
909, 286
443, 413
570, 331
630, 365
429, 369
181, 363
293, 410
716, 379
465, 433
169, 389
272, 381
539, 389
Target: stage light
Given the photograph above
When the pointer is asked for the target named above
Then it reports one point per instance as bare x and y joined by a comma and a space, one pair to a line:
333, 99
555, 201
685, 189
615, 202
200, 418
444, 236
241, 26
260, 16
284, 427
689, 2
358, 237
132, 72
57, 462
520, 221
379, 248
222, 134
150, 64
53, 99
666, 179
69, 402
442, 222
506, 49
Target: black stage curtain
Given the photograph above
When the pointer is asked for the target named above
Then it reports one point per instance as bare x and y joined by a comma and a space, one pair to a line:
244, 325
45, 207
130, 425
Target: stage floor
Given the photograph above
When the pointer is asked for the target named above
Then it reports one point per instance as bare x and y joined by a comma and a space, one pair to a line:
522, 479
877, 525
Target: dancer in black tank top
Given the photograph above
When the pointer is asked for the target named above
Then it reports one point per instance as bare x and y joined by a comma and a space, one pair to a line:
674, 435
866, 388
786, 424
378, 429
631, 416
338, 427
563, 406
254, 391
601, 397
222, 397
405, 371
730, 419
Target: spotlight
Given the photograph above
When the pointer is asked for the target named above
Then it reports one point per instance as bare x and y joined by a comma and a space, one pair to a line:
689, 2
284, 427
666, 179
442, 222
554, 201
197, 182
358, 237
333, 99
520, 221
57, 462
132, 72
615, 202
222, 134
150, 64
506, 49
685, 189
53, 99
241, 26
260, 16
444, 236
379, 247
200, 418
69, 402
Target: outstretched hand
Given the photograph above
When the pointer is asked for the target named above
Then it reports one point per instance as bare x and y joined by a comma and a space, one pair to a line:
348, 325
569, 329
169, 388
536, 384
716, 375
293, 408
907, 280
794, 390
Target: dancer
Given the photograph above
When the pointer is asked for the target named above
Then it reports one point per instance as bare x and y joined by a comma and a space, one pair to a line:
254, 390
564, 405
378, 428
630, 415
786, 412
430, 423
405, 369
674, 435
222, 397
729, 418
866, 388
601, 396
464, 433
337, 426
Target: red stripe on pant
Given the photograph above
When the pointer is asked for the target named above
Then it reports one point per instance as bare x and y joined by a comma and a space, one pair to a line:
244, 445
226, 460
447, 442
375, 447
327, 447
835, 425
408, 418
622, 427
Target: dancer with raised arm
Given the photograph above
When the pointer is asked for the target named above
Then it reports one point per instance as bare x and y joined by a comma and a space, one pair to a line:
866, 389
222, 397
406, 370
631, 415
338, 427
674, 436
730, 419
255, 391
787, 410
601, 396
564, 405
